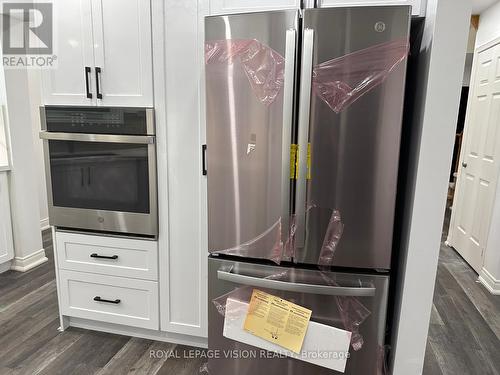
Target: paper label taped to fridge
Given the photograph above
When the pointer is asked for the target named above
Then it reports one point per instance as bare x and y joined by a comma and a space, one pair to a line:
323, 345
277, 320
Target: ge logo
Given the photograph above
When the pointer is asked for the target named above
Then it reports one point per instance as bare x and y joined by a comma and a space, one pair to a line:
380, 27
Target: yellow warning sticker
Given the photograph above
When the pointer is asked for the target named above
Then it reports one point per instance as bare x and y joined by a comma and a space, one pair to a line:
293, 161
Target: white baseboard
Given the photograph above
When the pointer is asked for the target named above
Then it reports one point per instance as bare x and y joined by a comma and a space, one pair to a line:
44, 224
489, 282
4, 267
118, 329
28, 262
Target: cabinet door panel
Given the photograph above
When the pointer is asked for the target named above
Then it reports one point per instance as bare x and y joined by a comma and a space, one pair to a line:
122, 36
65, 84
418, 6
240, 6
6, 244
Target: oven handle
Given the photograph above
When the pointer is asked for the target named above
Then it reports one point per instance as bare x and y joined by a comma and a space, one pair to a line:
107, 138
295, 287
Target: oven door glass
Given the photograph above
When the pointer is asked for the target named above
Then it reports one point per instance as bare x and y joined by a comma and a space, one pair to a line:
101, 176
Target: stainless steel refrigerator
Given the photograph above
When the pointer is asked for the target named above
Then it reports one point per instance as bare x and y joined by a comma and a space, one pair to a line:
304, 116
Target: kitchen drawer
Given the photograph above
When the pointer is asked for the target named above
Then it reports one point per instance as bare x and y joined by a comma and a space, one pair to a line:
122, 301
113, 256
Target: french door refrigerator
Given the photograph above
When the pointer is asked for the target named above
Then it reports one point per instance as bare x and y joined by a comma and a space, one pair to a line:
304, 113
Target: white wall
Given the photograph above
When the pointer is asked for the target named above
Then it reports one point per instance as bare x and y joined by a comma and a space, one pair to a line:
24, 175
490, 274
436, 101
489, 25
36, 100
4, 143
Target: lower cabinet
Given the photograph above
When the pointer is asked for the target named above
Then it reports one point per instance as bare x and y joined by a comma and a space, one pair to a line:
109, 299
6, 244
108, 279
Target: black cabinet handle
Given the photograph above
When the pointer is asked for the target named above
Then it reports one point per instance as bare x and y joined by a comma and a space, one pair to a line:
98, 82
94, 255
87, 82
99, 299
204, 159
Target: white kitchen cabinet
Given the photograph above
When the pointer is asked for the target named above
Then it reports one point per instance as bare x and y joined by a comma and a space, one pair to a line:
104, 54
6, 244
241, 6
109, 299
418, 6
114, 256
66, 83
122, 37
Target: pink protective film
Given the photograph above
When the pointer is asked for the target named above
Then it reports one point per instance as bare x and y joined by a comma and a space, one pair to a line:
263, 66
341, 81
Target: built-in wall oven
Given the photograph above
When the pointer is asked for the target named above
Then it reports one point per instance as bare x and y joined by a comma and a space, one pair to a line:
101, 168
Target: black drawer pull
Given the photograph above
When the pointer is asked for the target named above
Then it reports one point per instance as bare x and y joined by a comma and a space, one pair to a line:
99, 299
103, 256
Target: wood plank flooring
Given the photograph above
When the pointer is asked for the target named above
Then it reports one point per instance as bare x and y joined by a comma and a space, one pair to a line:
464, 335
30, 343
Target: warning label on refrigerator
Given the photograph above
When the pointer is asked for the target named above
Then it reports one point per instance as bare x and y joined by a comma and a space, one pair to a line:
276, 320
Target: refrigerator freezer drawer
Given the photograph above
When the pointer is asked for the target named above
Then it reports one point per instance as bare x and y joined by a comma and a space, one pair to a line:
338, 300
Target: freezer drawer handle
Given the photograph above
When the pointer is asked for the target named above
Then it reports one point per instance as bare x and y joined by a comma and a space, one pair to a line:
95, 255
295, 287
99, 299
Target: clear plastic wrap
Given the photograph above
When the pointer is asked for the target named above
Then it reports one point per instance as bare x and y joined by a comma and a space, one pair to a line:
341, 81
263, 66
331, 240
267, 245
350, 309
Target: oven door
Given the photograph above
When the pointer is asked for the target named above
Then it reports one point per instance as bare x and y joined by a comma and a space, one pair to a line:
101, 182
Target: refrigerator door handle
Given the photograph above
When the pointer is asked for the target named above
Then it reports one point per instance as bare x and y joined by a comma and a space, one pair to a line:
296, 287
288, 92
303, 135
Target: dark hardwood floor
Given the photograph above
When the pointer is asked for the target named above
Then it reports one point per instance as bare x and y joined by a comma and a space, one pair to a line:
463, 336
464, 333
30, 343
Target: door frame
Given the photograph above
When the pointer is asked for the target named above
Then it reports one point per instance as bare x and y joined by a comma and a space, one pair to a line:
449, 239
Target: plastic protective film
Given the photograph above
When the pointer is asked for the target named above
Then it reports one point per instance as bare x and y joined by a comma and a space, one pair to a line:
267, 245
349, 309
263, 66
341, 81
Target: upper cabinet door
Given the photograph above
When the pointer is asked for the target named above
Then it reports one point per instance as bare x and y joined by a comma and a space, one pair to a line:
66, 84
218, 7
417, 6
123, 52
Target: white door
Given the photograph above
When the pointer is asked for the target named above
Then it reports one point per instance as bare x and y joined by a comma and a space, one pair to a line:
242, 6
67, 83
478, 174
122, 36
